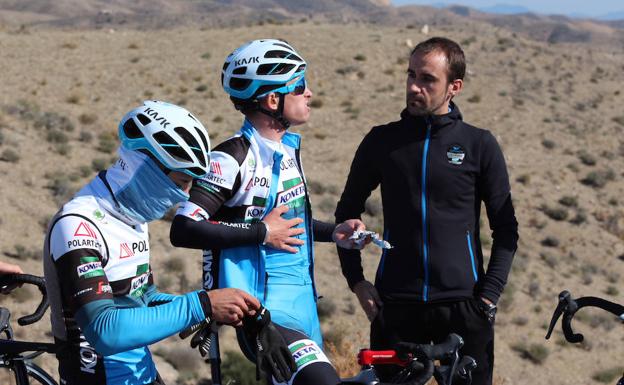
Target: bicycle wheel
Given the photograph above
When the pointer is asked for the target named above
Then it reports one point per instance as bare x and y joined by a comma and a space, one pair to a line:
34, 375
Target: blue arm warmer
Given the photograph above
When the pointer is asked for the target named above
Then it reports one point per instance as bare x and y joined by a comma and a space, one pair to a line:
152, 296
111, 330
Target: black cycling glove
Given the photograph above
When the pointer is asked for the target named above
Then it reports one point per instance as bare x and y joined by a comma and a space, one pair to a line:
202, 330
201, 339
272, 355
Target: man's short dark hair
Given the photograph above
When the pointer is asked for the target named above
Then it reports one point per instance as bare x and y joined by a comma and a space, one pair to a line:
453, 52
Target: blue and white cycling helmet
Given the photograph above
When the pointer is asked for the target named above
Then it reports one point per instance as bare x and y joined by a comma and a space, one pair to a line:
259, 67
171, 134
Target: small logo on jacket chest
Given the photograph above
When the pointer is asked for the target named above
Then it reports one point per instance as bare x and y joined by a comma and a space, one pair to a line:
455, 154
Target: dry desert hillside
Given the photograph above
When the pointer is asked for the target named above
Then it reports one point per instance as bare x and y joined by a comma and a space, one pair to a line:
554, 108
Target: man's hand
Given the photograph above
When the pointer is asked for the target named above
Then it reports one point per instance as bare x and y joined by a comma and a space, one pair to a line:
344, 230
280, 231
9, 268
229, 305
369, 298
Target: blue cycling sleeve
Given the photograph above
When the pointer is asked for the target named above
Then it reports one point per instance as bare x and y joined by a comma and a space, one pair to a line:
153, 297
112, 330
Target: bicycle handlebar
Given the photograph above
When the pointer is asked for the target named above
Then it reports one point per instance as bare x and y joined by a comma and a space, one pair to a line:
420, 358
12, 279
568, 306
446, 349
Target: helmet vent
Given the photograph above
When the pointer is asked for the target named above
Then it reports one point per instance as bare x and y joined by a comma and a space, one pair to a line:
131, 130
187, 137
192, 142
171, 147
279, 54
144, 119
284, 45
240, 71
203, 138
275, 69
164, 139
178, 154
239, 84
225, 65
301, 68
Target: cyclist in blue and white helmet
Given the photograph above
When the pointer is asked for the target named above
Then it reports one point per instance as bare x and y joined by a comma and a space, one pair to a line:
260, 67
170, 134
257, 188
105, 308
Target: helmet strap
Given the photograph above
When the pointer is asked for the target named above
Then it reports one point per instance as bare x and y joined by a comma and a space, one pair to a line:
279, 114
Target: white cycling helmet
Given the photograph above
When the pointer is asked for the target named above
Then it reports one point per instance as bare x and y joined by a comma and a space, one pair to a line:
171, 134
259, 67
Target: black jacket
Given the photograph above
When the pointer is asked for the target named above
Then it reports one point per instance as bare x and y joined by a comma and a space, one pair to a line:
434, 173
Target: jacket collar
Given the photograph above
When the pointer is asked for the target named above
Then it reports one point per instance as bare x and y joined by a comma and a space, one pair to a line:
438, 122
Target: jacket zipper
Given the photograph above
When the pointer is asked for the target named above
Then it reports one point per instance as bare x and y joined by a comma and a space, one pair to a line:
423, 207
472, 258
382, 262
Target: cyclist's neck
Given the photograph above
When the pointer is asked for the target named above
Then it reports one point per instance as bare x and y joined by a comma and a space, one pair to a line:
267, 127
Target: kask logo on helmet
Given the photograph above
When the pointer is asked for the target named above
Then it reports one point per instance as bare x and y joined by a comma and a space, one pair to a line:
153, 114
247, 60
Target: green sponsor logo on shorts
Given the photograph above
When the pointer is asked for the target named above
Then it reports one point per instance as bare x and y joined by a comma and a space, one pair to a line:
303, 353
294, 348
306, 359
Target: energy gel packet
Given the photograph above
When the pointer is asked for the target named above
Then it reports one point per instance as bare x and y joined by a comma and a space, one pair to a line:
360, 236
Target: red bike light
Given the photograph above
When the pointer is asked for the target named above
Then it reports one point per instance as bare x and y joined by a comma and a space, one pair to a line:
379, 357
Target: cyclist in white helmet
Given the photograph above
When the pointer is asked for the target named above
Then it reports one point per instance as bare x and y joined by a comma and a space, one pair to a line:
104, 303
256, 187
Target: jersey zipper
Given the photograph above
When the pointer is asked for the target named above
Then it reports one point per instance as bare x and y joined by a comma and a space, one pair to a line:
423, 208
382, 262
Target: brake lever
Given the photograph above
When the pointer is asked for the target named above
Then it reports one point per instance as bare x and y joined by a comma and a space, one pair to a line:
464, 370
563, 306
444, 373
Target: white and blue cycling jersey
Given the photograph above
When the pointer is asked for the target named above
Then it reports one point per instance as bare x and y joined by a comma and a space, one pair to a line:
249, 176
105, 309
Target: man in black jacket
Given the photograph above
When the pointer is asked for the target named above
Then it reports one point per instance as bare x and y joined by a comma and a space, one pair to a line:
434, 171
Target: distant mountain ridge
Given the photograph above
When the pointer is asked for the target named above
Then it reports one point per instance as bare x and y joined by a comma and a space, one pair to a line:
514, 9
144, 14
163, 13
506, 9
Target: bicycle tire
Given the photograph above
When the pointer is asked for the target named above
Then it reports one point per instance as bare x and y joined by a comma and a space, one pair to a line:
34, 375
39, 375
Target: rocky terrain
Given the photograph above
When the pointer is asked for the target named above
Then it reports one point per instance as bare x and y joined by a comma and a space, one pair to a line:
555, 108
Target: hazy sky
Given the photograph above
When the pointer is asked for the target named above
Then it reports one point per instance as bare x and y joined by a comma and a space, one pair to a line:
590, 8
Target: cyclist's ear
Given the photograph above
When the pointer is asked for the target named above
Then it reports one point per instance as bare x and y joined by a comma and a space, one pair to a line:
270, 102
